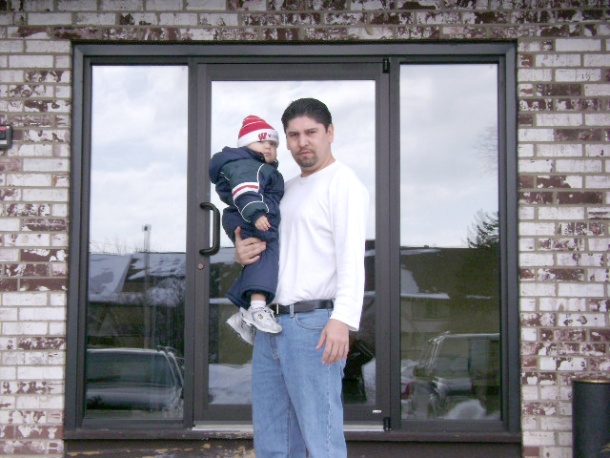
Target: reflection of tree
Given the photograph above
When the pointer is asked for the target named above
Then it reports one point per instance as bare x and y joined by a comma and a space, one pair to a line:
479, 277
487, 148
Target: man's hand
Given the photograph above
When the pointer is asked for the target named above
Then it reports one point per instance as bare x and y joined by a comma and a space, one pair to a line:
335, 340
247, 251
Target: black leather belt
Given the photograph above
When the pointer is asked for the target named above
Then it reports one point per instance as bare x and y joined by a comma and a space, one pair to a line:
302, 307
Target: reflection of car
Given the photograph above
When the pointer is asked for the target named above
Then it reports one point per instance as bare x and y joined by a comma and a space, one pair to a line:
455, 368
133, 379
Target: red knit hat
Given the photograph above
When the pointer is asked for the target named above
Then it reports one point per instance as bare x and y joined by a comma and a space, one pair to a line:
255, 129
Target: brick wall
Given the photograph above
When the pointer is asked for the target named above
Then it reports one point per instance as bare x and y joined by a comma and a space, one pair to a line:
564, 197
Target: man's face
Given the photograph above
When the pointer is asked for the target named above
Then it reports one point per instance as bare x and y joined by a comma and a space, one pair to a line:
309, 142
267, 148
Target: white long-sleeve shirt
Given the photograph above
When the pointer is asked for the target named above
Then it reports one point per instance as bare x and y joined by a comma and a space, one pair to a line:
322, 237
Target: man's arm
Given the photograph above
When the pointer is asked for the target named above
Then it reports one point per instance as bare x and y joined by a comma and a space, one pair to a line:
247, 251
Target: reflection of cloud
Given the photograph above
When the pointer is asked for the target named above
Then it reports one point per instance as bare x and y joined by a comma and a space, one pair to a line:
443, 110
352, 105
125, 200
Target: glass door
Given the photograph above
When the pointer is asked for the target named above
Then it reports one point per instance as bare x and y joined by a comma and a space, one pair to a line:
350, 92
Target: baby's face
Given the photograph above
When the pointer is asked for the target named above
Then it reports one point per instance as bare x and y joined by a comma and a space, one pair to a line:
267, 148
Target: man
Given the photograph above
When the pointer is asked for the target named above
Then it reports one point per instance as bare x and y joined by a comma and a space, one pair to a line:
296, 374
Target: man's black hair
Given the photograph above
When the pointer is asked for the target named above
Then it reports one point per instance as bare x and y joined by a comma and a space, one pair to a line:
310, 107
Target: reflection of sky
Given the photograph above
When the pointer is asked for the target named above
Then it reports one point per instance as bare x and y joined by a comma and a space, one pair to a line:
445, 177
351, 103
140, 143
139, 158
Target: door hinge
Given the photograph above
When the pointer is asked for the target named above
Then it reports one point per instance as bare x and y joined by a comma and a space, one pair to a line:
386, 65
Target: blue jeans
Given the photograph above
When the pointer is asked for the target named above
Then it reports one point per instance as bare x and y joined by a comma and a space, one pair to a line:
296, 399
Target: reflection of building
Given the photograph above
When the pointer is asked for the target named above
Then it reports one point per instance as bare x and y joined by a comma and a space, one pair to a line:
446, 289
122, 312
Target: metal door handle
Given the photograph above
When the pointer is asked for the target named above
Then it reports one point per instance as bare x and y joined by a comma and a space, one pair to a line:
212, 250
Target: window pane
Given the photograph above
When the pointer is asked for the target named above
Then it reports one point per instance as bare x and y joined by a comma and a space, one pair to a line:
449, 242
354, 145
137, 227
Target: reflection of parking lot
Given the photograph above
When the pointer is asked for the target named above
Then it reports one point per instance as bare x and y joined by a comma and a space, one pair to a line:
456, 377
122, 380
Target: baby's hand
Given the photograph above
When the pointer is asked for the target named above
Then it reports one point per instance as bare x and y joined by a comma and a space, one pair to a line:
262, 224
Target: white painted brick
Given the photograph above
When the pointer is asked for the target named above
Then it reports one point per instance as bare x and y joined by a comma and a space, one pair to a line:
45, 195
556, 452
7, 402
558, 60
574, 181
30, 61
596, 60
553, 363
536, 259
529, 335
218, 19
48, 47
59, 210
538, 438
57, 328
178, 19
592, 90
584, 320
599, 244
206, 5
539, 229
543, 166
9, 255
24, 329
536, 135
46, 165
63, 61
27, 240
11, 47
24, 299
121, 5
579, 259
8, 314
554, 304
597, 150
559, 150
527, 213
577, 75
60, 240
28, 179
577, 44
580, 289
549, 393
529, 422
598, 275
58, 299
95, 19
564, 439
40, 373
34, 150
80, 5
527, 304
9, 224
42, 313
597, 119
7, 373
537, 289
49, 18
11, 76
525, 149
558, 119
535, 74
163, 5
582, 166
566, 213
